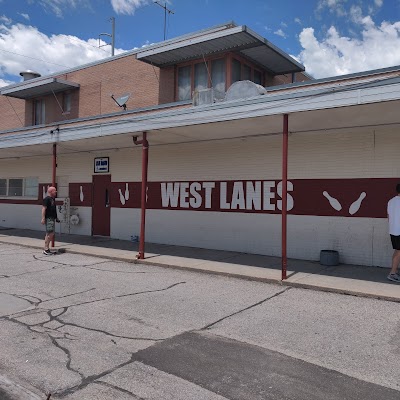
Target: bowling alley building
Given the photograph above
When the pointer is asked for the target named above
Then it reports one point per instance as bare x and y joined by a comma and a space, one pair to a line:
219, 137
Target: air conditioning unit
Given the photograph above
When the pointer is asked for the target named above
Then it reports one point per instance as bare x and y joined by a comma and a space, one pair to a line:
203, 97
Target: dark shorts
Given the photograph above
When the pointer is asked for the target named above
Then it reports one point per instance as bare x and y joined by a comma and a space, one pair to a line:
395, 242
50, 225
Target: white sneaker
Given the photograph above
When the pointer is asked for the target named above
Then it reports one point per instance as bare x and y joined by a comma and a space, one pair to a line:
394, 278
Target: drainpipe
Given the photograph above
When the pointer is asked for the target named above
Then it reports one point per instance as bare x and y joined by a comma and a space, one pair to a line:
145, 162
285, 145
53, 179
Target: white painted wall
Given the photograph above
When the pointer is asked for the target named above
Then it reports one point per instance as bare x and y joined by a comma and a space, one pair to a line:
366, 154
21, 216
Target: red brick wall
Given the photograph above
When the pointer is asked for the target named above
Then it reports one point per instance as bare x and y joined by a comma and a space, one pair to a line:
10, 119
148, 86
123, 75
284, 79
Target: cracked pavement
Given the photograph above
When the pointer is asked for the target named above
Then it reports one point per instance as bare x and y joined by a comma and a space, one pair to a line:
81, 327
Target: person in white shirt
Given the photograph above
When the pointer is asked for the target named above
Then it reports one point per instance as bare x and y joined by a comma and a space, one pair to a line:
393, 210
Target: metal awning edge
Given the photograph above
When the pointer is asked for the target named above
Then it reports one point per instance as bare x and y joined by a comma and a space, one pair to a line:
20, 87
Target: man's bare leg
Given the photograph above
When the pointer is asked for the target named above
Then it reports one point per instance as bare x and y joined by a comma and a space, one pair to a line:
48, 238
395, 261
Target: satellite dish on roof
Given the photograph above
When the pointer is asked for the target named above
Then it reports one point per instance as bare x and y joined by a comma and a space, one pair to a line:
122, 100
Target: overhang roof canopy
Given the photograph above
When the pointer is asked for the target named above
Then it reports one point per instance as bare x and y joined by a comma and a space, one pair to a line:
230, 38
38, 87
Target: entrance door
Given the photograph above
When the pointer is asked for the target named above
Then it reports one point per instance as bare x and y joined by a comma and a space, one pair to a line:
101, 205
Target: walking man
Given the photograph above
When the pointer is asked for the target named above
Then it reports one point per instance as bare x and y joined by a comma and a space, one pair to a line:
393, 210
49, 218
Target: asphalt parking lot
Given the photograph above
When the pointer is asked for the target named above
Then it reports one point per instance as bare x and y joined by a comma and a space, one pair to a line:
80, 327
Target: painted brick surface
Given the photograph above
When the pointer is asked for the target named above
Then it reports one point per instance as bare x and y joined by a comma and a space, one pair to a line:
345, 155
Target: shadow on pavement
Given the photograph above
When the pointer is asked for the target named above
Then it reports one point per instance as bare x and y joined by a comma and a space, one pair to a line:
364, 273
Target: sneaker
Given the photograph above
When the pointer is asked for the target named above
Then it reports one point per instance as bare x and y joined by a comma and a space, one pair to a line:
394, 278
47, 252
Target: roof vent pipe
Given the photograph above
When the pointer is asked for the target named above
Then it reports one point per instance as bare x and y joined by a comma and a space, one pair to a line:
29, 75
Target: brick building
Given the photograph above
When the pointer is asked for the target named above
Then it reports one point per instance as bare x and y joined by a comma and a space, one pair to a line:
213, 105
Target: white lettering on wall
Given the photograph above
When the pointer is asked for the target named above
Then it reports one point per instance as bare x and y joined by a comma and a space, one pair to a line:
238, 201
289, 196
169, 194
196, 200
223, 204
269, 194
184, 195
208, 186
253, 195
257, 196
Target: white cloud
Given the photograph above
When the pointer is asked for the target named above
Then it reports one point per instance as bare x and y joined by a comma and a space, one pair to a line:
27, 48
128, 7
284, 24
334, 6
298, 20
379, 3
5, 20
334, 54
4, 82
58, 7
280, 32
26, 16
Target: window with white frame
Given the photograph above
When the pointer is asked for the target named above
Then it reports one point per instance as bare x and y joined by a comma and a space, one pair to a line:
19, 187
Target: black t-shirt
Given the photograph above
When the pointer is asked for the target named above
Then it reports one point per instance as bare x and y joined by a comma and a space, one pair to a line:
51, 209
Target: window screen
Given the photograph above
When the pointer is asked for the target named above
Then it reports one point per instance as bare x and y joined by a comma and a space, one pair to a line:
15, 187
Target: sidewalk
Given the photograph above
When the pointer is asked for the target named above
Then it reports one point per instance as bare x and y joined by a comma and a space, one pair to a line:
347, 279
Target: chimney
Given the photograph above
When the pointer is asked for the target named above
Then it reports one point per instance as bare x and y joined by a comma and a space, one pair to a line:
29, 75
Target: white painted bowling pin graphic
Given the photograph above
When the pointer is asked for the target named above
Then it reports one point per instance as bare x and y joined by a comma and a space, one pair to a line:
81, 196
121, 197
357, 204
44, 192
126, 192
332, 201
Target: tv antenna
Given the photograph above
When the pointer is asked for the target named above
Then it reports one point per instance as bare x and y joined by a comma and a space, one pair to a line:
122, 100
166, 10
112, 36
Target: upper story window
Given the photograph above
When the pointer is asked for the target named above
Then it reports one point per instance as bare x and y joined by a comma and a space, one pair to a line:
200, 75
67, 99
39, 112
218, 73
242, 71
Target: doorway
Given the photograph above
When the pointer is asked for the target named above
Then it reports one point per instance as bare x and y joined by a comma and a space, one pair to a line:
101, 205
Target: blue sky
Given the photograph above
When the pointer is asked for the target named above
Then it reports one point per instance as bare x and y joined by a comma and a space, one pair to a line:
330, 37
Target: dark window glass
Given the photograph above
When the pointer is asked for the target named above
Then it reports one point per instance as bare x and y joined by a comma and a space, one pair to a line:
236, 71
200, 76
257, 77
15, 187
3, 187
39, 112
67, 102
218, 77
246, 76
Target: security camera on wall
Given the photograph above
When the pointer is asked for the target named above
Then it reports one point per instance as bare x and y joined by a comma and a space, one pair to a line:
122, 100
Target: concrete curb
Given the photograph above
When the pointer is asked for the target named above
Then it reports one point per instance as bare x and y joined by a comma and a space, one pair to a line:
13, 391
230, 274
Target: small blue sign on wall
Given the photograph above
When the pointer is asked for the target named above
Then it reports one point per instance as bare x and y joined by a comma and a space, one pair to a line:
101, 164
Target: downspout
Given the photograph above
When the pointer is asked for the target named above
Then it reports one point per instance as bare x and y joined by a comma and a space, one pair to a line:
53, 179
285, 145
145, 162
